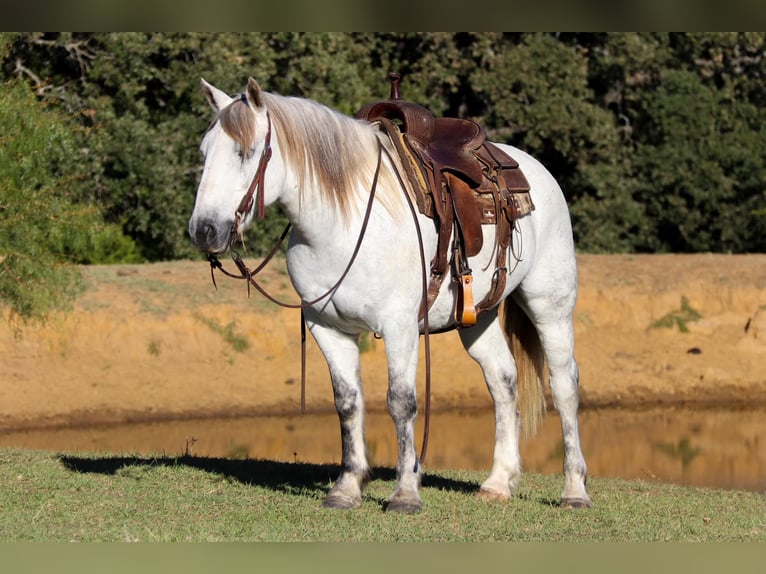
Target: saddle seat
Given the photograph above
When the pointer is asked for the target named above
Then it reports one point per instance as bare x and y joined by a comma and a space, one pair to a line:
461, 181
449, 142
453, 145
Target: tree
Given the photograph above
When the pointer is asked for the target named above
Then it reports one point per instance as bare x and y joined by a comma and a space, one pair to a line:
43, 230
656, 138
695, 138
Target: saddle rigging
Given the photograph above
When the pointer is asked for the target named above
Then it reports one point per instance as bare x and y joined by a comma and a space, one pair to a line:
461, 181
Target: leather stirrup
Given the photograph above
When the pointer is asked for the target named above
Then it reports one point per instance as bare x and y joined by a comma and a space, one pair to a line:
466, 310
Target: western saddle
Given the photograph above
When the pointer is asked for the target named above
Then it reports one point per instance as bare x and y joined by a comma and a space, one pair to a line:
461, 181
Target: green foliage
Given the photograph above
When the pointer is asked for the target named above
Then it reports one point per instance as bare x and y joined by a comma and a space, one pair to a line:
366, 342
678, 318
693, 140
682, 451
657, 138
238, 342
43, 230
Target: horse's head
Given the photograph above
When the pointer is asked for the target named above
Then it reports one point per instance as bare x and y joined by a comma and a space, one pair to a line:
236, 149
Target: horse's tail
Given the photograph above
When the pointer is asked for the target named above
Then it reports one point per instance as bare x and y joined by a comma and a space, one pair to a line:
530, 365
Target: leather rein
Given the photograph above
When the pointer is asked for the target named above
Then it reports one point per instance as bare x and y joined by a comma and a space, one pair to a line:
255, 195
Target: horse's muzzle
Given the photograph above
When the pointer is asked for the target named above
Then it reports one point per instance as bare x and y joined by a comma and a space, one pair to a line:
210, 236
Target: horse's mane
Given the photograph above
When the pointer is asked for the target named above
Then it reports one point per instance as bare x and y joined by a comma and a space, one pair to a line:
323, 147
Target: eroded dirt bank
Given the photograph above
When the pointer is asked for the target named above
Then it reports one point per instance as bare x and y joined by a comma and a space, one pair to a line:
159, 342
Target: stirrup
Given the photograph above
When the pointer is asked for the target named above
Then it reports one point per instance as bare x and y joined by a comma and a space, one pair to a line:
466, 310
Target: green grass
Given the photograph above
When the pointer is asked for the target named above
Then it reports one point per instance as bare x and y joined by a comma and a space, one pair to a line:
163, 288
366, 342
73, 497
153, 348
238, 342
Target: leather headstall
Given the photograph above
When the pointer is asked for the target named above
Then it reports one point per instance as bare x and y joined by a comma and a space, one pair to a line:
255, 191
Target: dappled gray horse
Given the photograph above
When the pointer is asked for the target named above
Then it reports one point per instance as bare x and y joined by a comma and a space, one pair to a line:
338, 180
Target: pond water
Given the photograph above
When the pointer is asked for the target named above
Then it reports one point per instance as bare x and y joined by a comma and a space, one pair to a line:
723, 448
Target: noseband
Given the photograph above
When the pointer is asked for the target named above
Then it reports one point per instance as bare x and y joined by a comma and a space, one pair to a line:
256, 185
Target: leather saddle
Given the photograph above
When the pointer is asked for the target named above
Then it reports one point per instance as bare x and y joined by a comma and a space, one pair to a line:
461, 181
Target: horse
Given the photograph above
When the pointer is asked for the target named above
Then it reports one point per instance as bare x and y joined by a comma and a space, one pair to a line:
356, 255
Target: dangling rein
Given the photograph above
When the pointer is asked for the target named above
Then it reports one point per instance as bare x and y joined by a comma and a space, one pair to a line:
255, 195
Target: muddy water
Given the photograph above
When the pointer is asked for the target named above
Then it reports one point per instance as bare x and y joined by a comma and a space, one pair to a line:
714, 448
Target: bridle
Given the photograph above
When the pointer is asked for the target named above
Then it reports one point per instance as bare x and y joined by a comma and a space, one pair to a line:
256, 185
255, 195
246, 205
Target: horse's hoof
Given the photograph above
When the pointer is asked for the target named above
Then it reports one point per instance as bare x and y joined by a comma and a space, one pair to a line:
492, 495
404, 506
575, 503
339, 502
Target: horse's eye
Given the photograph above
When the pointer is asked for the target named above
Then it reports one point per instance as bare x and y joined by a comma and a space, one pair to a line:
242, 155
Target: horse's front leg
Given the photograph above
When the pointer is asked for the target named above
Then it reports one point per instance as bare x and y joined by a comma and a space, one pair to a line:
341, 351
402, 355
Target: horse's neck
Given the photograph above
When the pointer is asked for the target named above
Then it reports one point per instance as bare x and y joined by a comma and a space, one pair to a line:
310, 208
281, 184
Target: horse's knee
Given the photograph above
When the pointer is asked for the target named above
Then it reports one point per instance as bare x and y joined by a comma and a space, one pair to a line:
347, 400
402, 403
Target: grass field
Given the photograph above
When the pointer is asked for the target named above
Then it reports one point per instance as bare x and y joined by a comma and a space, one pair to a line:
47, 496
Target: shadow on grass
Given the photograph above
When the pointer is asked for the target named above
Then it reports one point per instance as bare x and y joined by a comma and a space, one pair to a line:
287, 477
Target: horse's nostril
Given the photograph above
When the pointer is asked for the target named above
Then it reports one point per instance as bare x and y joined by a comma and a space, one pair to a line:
205, 234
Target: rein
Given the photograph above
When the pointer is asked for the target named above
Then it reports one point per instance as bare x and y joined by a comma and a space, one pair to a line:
245, 273
249, 275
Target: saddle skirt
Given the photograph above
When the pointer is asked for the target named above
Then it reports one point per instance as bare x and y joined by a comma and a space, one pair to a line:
462, 182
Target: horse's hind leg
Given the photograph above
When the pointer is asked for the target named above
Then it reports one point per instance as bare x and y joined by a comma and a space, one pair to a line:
553, 322
486, 344
342, 354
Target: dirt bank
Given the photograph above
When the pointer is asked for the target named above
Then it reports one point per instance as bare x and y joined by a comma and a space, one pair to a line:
158, 341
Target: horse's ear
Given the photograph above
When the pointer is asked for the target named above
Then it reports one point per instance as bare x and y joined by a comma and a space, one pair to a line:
254, 93
215, 97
